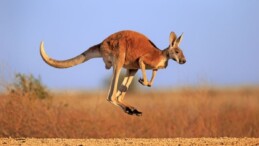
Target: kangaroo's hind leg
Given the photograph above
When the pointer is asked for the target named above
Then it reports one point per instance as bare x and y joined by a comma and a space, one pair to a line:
117, 66
123, 89
113, 87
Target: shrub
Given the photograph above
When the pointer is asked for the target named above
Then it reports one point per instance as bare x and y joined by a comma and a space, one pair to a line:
28, 85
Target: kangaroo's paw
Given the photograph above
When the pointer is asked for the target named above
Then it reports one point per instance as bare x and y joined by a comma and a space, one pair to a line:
149, 84
141, 81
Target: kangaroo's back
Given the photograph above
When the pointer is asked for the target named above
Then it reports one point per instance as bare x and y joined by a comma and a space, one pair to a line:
127, 43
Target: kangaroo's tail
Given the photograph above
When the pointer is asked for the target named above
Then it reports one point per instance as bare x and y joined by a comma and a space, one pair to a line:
92, 52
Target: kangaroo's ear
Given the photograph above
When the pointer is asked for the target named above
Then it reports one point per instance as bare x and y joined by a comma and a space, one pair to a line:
179, 39
172, 38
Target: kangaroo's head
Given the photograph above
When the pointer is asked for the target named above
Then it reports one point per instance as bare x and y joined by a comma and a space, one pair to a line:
174, 51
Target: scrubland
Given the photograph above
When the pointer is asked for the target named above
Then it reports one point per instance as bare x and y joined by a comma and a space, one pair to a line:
187, 112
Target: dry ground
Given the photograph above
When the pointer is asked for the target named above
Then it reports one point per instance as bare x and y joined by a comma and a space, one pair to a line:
130, 141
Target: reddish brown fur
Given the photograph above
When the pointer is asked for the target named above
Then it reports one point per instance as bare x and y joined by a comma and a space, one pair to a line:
131, 45
130, 50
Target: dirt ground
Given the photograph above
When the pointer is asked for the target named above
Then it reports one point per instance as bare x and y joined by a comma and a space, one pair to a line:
129, 141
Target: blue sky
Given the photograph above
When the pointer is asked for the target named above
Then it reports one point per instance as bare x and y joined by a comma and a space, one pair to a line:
221, 42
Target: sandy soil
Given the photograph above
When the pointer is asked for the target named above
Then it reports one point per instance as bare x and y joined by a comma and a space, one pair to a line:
128, 141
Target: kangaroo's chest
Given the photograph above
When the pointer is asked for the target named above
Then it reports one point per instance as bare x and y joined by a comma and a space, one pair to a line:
162, 64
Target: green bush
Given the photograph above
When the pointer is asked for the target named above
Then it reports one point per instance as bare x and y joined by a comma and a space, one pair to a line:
30, 86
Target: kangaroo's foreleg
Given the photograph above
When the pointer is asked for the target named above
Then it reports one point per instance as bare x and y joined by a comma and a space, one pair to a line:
152, 78
144, 80
142, 66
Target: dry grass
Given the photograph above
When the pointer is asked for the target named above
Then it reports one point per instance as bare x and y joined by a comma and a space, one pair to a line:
187, 112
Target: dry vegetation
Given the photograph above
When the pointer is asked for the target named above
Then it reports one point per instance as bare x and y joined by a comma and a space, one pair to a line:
186, 112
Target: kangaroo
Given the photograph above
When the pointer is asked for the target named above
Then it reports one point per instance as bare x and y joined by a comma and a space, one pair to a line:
130, 50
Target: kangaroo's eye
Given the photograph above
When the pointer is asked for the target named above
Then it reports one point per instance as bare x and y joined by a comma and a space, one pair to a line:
176, 52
